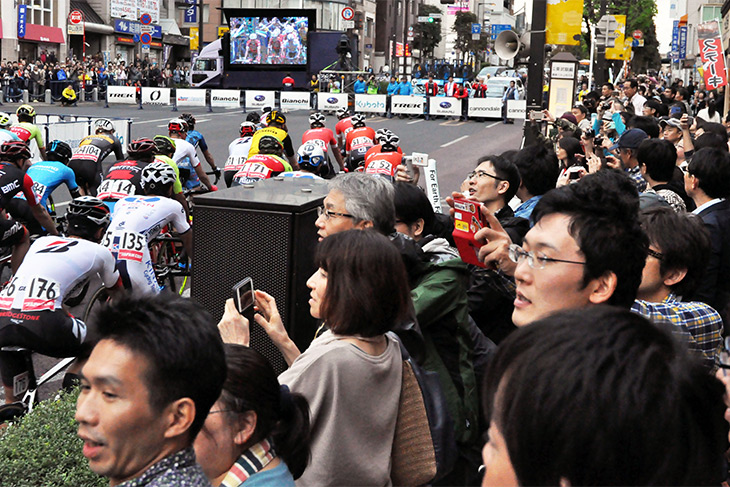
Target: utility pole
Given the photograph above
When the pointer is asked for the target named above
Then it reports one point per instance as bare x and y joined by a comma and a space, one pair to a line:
200, 26
535, 69
600, 72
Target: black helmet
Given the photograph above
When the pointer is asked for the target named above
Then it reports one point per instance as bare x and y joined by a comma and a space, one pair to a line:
189, 119
14, 150
165, 145
270, 145
254, 117
142, 148
87, 211
60, 151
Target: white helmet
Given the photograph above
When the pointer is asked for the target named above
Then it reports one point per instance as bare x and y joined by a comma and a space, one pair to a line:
311, 158
317, 118
157, 174
104, 125
380, 133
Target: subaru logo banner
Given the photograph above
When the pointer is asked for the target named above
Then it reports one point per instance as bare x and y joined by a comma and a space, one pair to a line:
444, 105
331, 102
260, 99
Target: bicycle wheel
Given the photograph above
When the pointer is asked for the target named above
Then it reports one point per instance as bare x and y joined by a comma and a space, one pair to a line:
99, 297
12, 411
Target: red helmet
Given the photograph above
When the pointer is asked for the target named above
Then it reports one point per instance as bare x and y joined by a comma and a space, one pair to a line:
247, 128
14, 150
177, 125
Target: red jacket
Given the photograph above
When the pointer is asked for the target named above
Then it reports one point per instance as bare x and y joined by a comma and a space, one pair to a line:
432, 88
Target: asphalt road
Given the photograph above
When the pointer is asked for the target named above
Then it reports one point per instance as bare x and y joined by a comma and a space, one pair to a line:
454, 145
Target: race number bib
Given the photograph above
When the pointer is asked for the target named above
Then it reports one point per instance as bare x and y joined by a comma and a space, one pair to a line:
319, 143
39, 189
380, 167
361, 142
41, 294
115, 189
7, 296
125, 245
252, 172
235, 163
87, 152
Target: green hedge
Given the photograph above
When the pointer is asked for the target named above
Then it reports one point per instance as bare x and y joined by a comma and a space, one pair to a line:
42, 449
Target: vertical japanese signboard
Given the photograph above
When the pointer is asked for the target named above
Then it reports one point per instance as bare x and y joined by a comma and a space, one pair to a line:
713, 61
683, 42
22, 13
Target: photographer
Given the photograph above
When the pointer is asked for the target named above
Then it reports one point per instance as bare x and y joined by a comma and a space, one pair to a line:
566, 125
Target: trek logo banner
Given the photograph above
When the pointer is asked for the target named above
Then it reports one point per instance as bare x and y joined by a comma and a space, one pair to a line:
410, 105
292, 100
331, 101
225, 98
122, 94
260, 99
444, 105
370, 103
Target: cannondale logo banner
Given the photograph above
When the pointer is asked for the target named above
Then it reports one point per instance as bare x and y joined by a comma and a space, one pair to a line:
484, 107
225, 98
331, 102
441, 106
156, 96
259, 99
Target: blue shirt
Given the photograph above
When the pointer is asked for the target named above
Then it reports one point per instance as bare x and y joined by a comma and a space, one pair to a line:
405, 88
197, 139
393, 88
47, 176
525, 209
360, 86
278, 476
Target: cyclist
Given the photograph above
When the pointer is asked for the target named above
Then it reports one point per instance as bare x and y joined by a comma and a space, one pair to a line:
198, 141
137, 220
264, 165
312, 163
46, 176
14, 161
31, 304
91, 152
124, 178
27, 130
238, 152
386, 162
343, 126
322, 137
358, 141
186, 158
5, 133
165, 149
376, 149
276, 122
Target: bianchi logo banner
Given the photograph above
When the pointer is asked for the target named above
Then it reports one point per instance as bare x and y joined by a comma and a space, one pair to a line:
225, 98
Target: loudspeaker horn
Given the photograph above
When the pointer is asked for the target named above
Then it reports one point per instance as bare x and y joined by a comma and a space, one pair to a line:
507, 44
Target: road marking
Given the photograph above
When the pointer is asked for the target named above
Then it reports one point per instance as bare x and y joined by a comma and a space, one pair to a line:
152, 121
415, 121
493, 124
455, 141
62, 204
202, 120
377, 120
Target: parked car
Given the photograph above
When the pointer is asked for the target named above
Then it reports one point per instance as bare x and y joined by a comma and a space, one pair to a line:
492, 71
497, 85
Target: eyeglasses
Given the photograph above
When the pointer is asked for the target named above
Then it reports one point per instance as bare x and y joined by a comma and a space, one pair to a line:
517, 253
322, 211
481, 174
655, 254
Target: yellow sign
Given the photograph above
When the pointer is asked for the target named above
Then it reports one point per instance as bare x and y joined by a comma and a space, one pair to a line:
194, 38
222, 31
619, 51
563, 22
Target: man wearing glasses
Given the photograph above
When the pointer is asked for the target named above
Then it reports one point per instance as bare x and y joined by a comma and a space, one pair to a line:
586, 247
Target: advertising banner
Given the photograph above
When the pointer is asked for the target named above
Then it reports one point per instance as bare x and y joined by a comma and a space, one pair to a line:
124, 9
331, 101
563, 22
713, 61
260, 99
403, 104
370, 103
155, 96
516, 108
484, 107
444, 105
190, 98
225, 98
122, 94
619, 49
294, 100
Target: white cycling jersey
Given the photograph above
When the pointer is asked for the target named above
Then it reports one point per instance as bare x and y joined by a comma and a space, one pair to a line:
185, 152
135, 221
238, 153
54, 268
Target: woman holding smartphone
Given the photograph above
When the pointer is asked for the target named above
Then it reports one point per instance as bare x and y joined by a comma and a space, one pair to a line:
351, 373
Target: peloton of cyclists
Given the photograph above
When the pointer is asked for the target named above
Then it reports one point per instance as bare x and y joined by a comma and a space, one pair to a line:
91, 152
265, 164
323, 137
27, 130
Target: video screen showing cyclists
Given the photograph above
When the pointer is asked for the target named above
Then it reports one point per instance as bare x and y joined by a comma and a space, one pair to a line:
138, 219
91, 152
257, 40
27, 130
265, 164
323, 138
238, 152
124, 178
47, 176
358, 141
31, 304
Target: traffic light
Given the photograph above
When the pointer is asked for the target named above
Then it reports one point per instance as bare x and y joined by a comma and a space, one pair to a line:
358, 20
430, 19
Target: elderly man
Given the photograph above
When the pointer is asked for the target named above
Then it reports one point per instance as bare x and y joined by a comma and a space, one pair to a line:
147, 389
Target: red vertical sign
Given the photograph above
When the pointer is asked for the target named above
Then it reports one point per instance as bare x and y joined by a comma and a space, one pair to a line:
713, 59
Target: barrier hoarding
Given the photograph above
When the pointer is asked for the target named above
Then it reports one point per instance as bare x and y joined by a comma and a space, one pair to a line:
294, 100
331, 101
260, 99
190, 98
484, 107
225, 98
444, 105
403, 104
516, 108
370, 103
122, 94
155, 96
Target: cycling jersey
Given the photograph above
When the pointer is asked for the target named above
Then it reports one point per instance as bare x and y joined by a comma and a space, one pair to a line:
47, 176
7, 136
237, 155
186, 158
27, 131
321, 137
299, 174
31, 313
359, 138
13, 181
260, 166
377, 149
344, 126
197, 139
124, 178
177, 185
137, 220
384, 164
87, 158
280, 134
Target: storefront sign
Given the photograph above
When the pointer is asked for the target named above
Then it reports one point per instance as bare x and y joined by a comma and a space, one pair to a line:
22, 13
713, 61
133, 27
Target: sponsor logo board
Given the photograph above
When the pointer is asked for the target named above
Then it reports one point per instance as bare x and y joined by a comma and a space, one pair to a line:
190, 98
331, 101
370, 103
292, 100
516, 108
155, 96
484, 107
407, 104
439, 105
259, 99
225, 98
122, 94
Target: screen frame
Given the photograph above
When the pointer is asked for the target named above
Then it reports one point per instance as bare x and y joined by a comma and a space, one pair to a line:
230, 13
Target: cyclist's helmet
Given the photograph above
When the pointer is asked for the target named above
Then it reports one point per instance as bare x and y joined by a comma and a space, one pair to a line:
311, 158
380, 133
87, 211
247, 129
141, 148
189, 119
270, 145
59, 150
317, 120
358, 120
342, 113
156, 175
177, 125
4, 119
103, 125
25, 110
390, 141
14, 150
275, 116
165, 145
254, 117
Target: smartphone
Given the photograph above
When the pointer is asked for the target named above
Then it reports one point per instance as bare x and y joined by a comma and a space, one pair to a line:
573, 175
243, 297
409, 166
675, 111
535, 115
468, 221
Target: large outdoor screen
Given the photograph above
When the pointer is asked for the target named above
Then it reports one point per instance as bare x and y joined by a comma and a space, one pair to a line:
277, 40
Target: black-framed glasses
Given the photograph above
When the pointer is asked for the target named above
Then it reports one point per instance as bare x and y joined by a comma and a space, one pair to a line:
322, 211
480, 174
517, 253
655, 254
